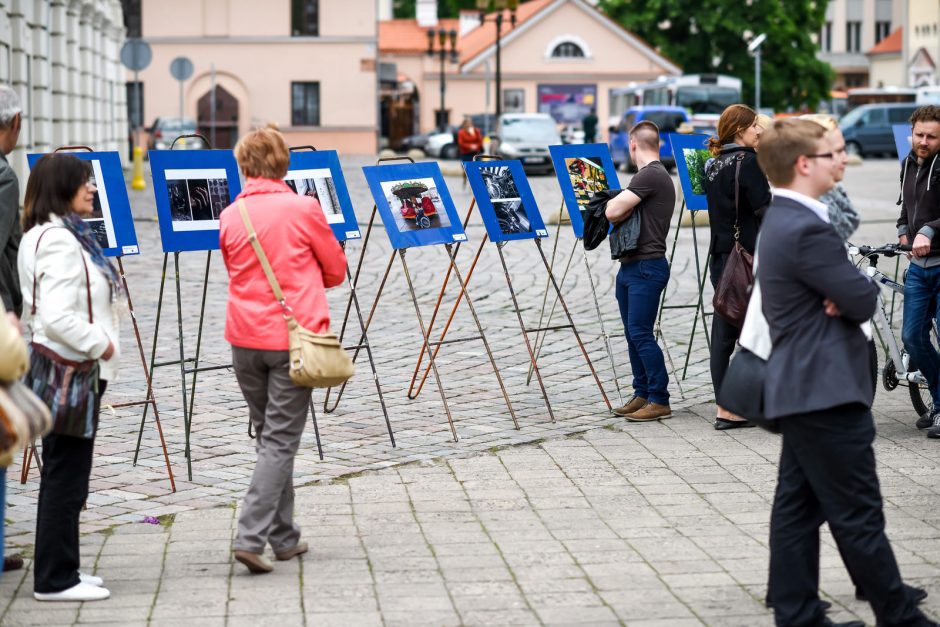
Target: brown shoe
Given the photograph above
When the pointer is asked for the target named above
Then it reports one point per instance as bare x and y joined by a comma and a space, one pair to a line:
650, 413
255, 562
12, 562
299, 549
635, 403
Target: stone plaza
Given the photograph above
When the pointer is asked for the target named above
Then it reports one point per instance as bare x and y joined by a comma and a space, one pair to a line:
585, 520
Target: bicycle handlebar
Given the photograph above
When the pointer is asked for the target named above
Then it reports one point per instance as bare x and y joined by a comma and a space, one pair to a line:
888, 250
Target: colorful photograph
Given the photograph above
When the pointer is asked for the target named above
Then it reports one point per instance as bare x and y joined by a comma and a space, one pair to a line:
691, 168
582, 171
197, 197
695, 160
317, 184
415, 204
505, 199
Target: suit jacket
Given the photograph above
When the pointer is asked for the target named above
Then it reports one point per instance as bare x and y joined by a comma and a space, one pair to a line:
818, 361
10, 234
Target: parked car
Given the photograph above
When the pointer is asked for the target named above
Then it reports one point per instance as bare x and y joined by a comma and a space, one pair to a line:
164, 130
667, 118
867, 129
413, 142
572, 134
442, 144
527, 136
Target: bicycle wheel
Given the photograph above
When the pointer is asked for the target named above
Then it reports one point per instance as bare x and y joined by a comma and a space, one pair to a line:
920, 395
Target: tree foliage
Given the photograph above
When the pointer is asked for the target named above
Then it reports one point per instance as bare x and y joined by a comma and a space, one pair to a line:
712, 36
445, 8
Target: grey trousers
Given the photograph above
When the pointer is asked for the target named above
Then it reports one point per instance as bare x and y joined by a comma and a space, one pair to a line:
278, 410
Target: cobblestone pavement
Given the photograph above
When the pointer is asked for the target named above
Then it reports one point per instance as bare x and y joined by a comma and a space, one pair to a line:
594, 521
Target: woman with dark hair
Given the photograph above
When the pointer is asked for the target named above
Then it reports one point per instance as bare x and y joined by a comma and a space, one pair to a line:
738, 194
69, 289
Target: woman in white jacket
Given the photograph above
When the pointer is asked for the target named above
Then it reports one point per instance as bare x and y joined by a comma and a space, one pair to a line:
69, 290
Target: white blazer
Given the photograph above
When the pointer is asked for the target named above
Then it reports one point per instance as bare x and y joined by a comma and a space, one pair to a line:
61, 321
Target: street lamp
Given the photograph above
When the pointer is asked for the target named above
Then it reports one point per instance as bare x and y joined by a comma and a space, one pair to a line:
499, 5
754, 48
446, 48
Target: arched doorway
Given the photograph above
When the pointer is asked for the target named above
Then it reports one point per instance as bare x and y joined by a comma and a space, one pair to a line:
223, 131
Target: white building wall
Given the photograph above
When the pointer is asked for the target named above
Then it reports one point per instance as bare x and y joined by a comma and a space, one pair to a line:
63, 58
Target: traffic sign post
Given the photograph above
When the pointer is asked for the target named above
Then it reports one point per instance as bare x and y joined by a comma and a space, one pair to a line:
181, 68
136, 56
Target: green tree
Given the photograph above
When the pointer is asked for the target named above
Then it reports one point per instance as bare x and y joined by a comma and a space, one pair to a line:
712, 36
445, 8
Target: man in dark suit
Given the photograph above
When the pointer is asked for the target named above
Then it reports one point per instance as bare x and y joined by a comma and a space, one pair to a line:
819, 391
10, 229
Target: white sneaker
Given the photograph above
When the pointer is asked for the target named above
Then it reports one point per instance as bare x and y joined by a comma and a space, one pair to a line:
91, 579
79, 592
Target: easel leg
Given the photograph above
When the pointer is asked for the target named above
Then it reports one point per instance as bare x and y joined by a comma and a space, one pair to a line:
202, 313
316, 427
179, 324
548, 285
600, 320
700, 304
540, 336
153, 351
522, 329
476, 320
450, 319
143, 362
427, 345
440, 297
574, 329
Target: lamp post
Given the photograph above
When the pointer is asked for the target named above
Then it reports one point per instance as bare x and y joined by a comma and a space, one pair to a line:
499, 5
754, 48
446, 48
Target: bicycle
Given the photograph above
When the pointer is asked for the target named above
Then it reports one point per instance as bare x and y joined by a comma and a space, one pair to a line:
899, 369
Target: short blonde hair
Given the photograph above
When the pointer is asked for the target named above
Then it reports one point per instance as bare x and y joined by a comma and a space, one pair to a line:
263, 153
764, 121
823, 119
783, 144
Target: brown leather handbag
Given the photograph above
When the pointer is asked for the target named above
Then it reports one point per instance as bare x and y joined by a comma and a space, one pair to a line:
732, 293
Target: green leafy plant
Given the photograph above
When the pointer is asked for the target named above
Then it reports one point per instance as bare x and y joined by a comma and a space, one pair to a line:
695, 161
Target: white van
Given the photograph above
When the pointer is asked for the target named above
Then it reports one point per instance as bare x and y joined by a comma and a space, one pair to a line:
526, 137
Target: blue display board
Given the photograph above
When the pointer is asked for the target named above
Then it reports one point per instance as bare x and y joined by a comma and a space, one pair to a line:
415, 204
112, 220
505, 200
318, 174
902, 140
582, 170
691, 153
191, 188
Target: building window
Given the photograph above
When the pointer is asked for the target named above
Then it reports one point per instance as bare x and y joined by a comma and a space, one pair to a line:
135, 103
855, 80
304, 18
825, 42
305, 104
568, 50
132, 18
853, 36
513, 101
882, 30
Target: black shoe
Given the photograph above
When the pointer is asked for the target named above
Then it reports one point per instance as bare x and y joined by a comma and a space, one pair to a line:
917, 595
723, 424
12, 562
925, 421
852, 623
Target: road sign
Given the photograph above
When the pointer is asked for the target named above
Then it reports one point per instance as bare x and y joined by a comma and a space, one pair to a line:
181, 68
136, 54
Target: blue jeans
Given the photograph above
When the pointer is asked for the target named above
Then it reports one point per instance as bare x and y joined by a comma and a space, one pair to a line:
640, 285
921, 292
3, 502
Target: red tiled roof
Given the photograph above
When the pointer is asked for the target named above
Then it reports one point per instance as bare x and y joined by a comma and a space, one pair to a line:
404, 35
890, 44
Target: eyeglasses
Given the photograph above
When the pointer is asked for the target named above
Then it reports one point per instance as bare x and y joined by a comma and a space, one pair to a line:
825, 155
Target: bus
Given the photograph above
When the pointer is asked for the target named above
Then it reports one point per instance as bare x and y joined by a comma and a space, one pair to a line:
873, 95
704, 96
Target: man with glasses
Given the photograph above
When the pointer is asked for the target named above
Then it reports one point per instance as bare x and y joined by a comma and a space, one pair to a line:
920, 220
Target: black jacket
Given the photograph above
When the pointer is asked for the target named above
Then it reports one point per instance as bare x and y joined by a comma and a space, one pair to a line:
754, 198
10, 234
817, 361
920, 200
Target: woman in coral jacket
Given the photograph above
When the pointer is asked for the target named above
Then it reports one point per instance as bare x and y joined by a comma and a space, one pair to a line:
306, 259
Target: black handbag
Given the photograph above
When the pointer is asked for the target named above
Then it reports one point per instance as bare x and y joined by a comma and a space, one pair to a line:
742, 389
732, 293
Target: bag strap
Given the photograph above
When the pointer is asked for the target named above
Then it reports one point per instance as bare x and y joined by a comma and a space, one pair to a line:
738, 158
87, 277
263, 259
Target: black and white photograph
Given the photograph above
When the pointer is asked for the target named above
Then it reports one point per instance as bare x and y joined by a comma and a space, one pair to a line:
507, 203
100, 219
197, 197
415, 204
317, 184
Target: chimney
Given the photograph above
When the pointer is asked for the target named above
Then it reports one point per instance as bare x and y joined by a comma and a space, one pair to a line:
469, 20
385, 10
426, 13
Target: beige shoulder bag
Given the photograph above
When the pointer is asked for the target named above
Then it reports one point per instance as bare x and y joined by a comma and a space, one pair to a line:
316, 360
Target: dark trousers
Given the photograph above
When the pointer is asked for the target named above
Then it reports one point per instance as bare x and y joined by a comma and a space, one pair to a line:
640, 285
724, 334
63, 489
827, 473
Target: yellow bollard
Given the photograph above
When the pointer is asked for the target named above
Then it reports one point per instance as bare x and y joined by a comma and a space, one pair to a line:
138, 181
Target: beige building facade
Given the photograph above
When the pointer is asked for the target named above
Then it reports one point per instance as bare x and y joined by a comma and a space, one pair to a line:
922, 43
852, 28
62, 58
306, 66
559, 49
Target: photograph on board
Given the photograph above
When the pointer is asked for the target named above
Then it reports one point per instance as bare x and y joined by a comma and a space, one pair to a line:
691, 151
582, 170
318, 174
416, 204
197, 197
317, 184
505, 200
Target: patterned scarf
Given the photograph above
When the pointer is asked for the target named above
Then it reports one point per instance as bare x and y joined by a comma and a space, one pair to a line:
842, 215
86, 237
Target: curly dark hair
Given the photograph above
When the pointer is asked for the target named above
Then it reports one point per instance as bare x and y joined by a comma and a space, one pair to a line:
927, 113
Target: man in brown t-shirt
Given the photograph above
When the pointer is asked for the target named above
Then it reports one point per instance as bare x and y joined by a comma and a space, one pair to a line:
644, 273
